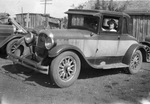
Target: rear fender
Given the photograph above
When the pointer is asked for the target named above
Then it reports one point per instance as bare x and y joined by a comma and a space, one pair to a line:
130, 52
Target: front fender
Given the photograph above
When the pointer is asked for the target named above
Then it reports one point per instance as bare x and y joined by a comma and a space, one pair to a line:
130, 52
8, 39
61, 48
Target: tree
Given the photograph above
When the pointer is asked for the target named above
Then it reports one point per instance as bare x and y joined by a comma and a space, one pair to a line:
111, 5
64, 22
80, 6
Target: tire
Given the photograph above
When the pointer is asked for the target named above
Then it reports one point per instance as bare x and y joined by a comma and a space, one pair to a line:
135, 62
147, 53
65, 69
11, 46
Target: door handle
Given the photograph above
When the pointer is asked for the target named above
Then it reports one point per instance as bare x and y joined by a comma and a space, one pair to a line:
91, 34
119, 37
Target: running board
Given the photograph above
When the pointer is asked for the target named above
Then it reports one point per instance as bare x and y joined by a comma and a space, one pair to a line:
111, 66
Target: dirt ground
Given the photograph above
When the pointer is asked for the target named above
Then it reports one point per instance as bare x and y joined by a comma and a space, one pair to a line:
112, 86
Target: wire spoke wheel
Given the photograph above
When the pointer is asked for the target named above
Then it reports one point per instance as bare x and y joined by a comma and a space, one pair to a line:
136, 62
11, 46
65, 69
148, 53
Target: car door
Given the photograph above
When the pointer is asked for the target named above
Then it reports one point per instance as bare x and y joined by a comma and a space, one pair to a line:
108, 44
125, 40
107, 48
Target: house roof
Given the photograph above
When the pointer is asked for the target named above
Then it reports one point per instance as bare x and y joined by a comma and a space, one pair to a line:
138, 13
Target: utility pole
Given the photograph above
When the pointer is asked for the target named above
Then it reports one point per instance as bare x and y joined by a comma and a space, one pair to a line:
22, 21
45, 2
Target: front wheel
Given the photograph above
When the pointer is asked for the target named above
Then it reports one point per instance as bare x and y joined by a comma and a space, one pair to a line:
65, 69
11, 46
135, 62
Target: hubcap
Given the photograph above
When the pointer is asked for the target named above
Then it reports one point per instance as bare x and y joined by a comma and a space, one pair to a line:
135, 62
67, 68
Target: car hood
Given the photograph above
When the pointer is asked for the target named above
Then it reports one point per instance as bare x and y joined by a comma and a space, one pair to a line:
68, 33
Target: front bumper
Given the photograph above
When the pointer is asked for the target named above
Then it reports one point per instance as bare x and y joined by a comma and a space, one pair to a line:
29, 63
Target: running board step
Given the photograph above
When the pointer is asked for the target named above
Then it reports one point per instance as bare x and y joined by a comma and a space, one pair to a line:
111, 66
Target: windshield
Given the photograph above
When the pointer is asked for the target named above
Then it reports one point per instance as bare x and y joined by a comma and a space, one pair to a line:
85, 22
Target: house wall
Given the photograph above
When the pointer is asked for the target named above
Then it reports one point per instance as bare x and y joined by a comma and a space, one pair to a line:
140, 26
32, 20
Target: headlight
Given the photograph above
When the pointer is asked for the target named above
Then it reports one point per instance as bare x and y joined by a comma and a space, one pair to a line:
29, 38
49, 41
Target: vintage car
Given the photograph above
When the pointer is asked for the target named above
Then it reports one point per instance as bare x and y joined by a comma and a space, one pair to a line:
10, 32
88, 41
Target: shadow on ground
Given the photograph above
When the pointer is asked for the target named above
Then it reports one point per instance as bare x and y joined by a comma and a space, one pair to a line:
44, 80
92, 73
29, 75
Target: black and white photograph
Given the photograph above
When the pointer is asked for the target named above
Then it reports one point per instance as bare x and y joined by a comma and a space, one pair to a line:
74, 51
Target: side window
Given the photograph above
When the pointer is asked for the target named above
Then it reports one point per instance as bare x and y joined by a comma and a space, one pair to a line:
110, 24
91, 23
88, 22
125, 30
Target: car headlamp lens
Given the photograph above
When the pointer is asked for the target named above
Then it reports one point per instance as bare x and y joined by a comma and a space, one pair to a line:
49, 42
29, 38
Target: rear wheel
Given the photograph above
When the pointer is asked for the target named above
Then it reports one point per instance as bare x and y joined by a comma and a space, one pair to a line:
147, 48
65, 69
135, 62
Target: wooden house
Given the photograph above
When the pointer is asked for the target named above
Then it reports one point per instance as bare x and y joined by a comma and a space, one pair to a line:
140, 18
140, 24
33, 20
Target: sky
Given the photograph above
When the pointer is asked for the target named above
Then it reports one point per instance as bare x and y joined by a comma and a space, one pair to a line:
56, 9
